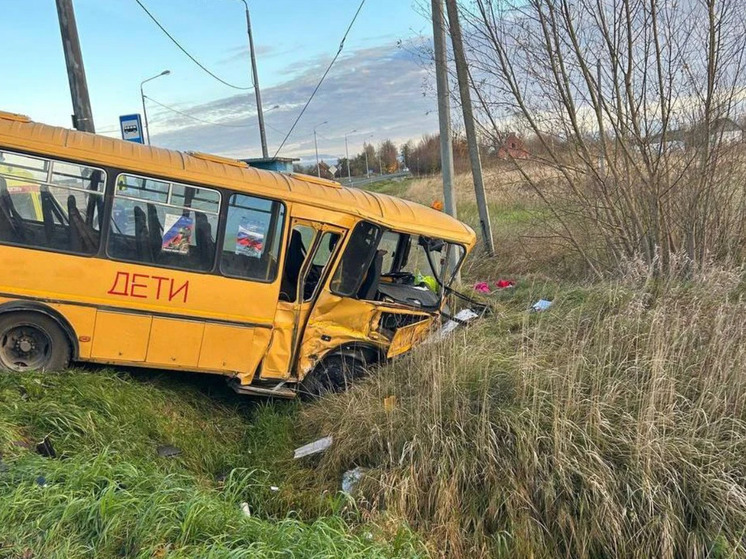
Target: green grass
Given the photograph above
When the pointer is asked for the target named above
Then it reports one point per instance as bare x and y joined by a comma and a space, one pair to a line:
393, 187
109, 494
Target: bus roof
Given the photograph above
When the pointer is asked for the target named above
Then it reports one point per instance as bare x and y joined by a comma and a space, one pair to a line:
17, 131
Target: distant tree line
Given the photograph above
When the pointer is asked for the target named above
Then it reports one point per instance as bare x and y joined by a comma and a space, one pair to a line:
419, 157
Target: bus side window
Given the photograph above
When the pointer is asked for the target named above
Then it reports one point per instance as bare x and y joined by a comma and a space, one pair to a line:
251, 241
164, 224
358, 255
50, 204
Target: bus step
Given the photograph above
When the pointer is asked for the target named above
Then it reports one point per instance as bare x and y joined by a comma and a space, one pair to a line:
279, 391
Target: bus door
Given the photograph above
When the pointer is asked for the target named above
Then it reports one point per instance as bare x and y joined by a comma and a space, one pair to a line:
310, 250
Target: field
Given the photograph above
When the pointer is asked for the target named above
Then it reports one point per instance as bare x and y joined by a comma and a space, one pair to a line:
612, 424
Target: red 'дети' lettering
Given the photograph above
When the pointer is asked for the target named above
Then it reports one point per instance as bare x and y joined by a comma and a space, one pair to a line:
137, 286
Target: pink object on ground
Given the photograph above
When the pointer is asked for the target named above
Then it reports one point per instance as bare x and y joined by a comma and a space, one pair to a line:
482, 287
502, 284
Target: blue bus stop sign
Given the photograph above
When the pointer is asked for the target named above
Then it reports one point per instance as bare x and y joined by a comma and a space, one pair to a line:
131, 126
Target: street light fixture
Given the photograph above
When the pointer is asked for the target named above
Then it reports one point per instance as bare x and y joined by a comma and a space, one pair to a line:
316, 145
255, 81
142, 96
347, 154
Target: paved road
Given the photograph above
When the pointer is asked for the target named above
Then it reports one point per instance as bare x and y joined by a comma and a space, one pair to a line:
357, 182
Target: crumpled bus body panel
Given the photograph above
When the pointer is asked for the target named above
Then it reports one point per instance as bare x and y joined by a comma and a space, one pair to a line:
341, 321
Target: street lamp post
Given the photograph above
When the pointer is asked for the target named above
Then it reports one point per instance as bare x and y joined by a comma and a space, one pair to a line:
260, 114
144, 110
316, 145
365, 150
347, 154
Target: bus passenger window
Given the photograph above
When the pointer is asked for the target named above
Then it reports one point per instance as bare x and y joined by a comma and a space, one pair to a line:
301, 238
356, 260
251, 243
50, 204
165, 224
323, 254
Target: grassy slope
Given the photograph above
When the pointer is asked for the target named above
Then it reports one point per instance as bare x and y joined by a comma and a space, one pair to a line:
109, 494
612, 425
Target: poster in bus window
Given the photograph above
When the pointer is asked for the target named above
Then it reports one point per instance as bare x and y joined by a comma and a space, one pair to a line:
177, 233
250, 238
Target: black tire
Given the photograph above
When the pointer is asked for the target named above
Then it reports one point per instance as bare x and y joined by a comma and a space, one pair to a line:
335, 373
31, 341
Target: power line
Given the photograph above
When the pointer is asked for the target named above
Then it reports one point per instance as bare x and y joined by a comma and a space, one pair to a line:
194, 117
197, 62
339, 51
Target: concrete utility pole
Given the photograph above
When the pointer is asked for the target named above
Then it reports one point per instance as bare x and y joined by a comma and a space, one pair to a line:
316, 146
260, 114
347, 154
444, 107
82, 114
471, 134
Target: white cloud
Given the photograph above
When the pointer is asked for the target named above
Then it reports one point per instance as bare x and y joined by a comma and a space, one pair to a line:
378, 91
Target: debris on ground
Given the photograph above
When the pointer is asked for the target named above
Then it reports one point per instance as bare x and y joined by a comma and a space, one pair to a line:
274, 488
41, 481
389, 404
313, 448
246, 510
351, 478
504, 284
541, 305
461, 317
45, 448
168, 451
482, 287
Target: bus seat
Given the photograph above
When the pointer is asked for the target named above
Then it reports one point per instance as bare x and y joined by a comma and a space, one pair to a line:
369, 288
95, 203
293, 264
142, 243
9, 230
47, 205
81, 236
155, 231
203, 240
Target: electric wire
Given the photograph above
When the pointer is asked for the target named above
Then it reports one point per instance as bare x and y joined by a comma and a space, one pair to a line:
339, 51
197, 62
194, 117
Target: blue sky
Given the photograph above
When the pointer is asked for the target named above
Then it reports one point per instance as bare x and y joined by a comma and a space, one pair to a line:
377, 87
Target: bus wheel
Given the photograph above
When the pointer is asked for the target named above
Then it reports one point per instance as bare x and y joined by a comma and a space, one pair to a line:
334, 374
32, 342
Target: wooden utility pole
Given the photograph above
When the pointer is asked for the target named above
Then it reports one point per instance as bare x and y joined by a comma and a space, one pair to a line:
471, 134
82, 114
444, 107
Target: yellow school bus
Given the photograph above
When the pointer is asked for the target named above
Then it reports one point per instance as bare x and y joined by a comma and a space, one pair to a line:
114, 252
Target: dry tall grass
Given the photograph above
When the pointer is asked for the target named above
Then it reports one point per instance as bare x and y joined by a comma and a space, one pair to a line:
613, 425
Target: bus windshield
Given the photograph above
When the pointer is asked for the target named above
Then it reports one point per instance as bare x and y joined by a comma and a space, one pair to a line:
388, 266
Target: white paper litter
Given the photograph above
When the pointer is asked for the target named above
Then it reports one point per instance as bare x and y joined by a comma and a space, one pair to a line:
312, 448
246, 510
351, 478
464, 315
